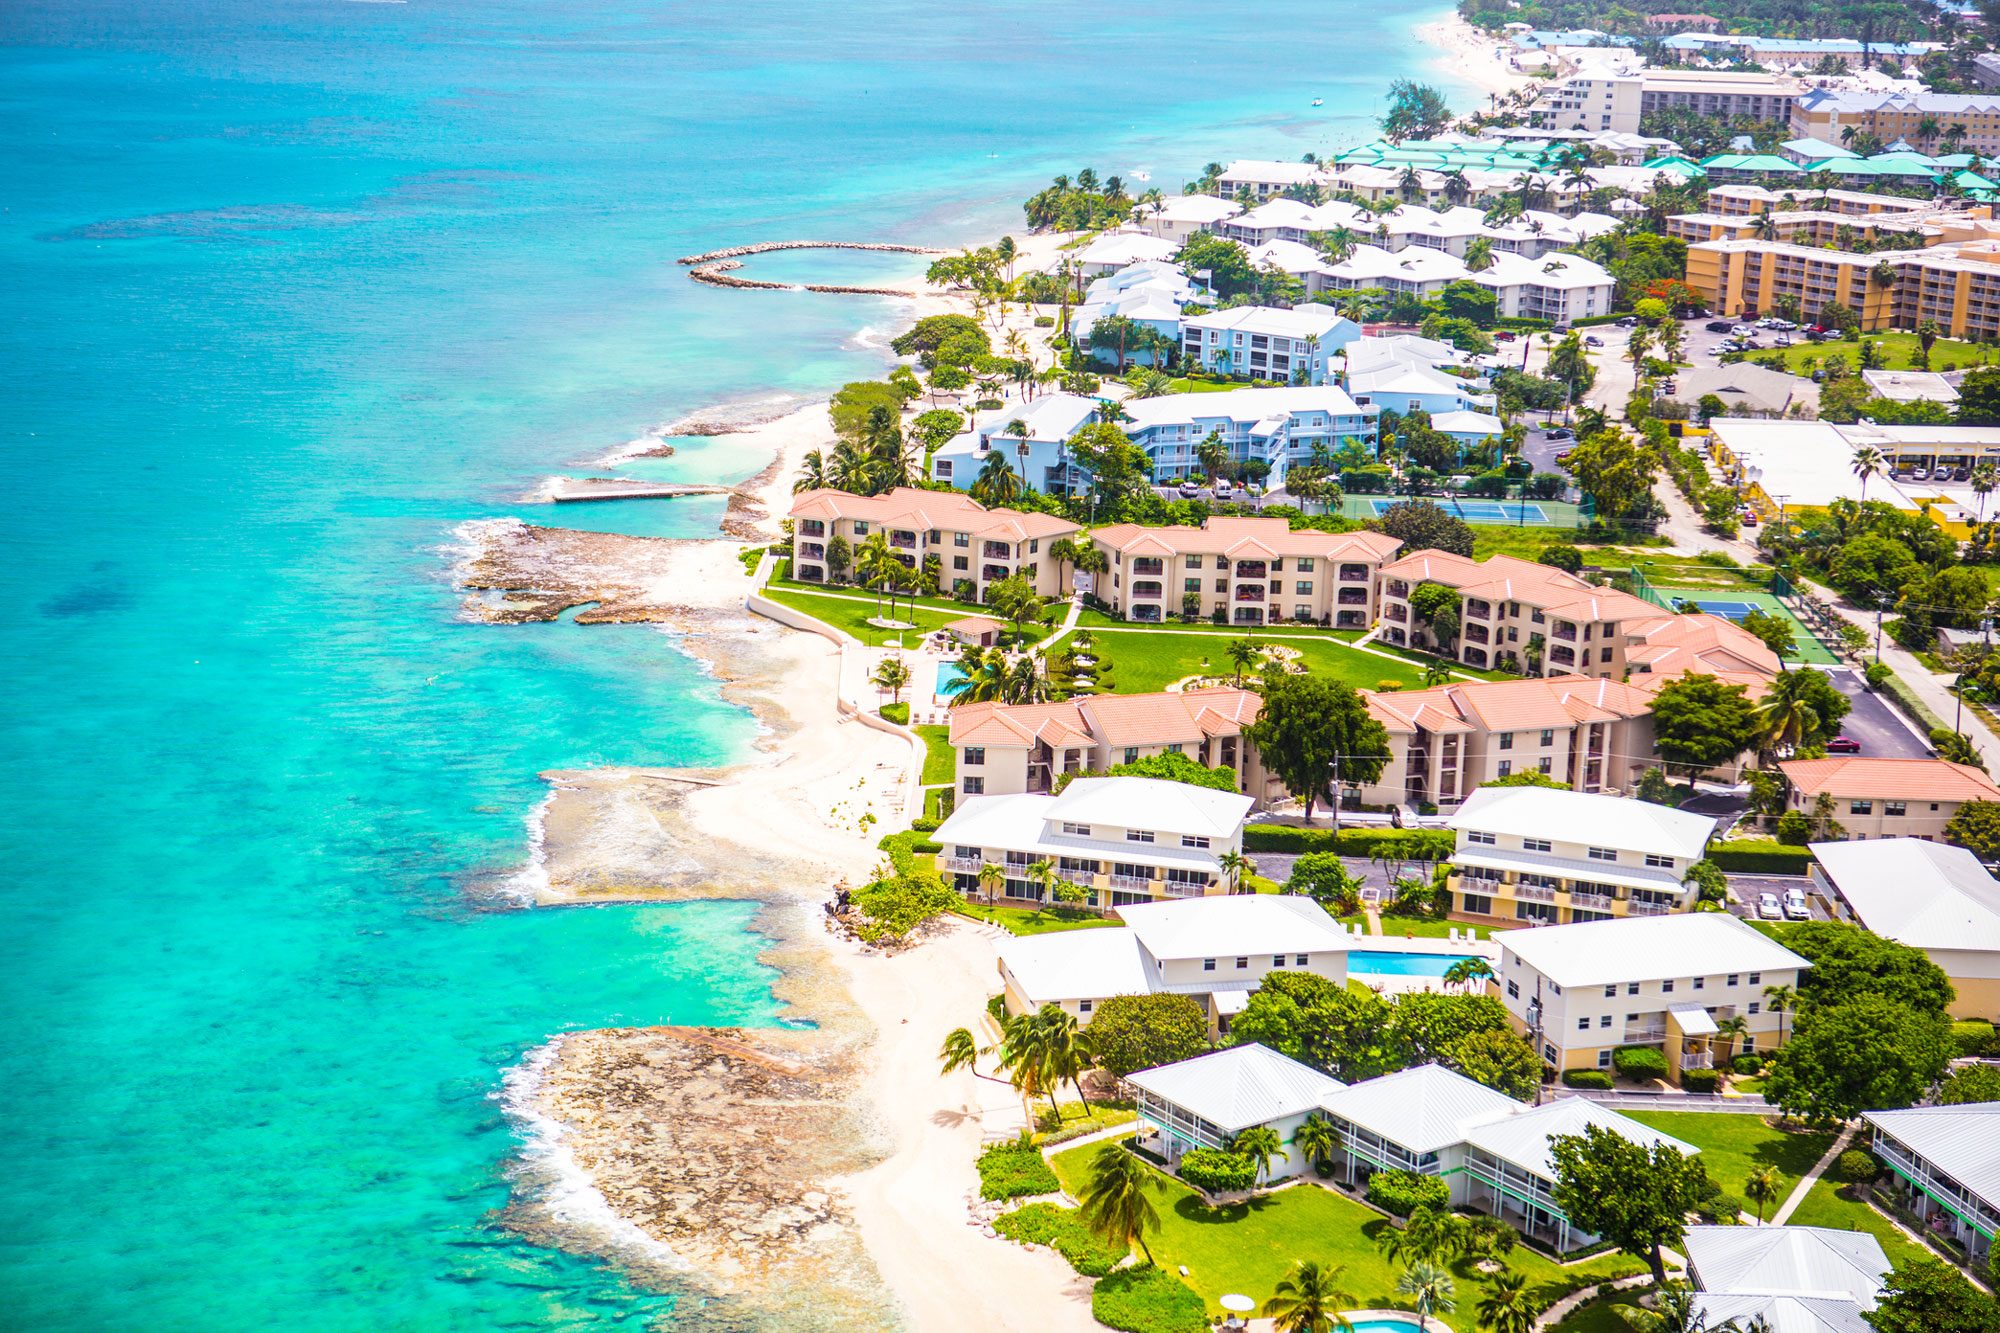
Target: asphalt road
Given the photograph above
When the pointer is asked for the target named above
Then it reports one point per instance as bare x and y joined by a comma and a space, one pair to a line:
1876, 723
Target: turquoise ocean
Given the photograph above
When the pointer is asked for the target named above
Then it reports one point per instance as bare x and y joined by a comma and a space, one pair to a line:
294, 290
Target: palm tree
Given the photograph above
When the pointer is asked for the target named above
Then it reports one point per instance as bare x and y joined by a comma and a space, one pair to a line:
1636, 347
992, 878
812, 472
871, 564
1318, 1140
1024, 1057
1786, 717
1234, 866
1761, 1188
1431, 1285
1065, 1052
1868, 462
1212, 454
1984, 478
1457, 189
1466, 970
1092, 560
1506, 1307
1780, 999
1310, 1300
959, 1051
1244, 654
1042, 874
1731, 1030
1479, 254
997, 483
1116, 1202
892, 675
1261, 1144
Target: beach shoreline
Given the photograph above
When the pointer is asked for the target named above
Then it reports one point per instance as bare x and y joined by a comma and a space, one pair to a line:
1470, 56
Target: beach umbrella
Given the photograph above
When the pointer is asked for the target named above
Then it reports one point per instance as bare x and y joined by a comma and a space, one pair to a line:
1239, 1304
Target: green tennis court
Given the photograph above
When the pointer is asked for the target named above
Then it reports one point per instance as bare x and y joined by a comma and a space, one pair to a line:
1736, 603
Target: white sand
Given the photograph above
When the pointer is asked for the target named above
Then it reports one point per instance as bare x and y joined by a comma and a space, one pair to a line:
912, 1209
1471, 56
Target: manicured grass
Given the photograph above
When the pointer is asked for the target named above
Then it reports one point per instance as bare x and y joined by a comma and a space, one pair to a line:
1823, 1207
1250, 1247
1147, 1300
1146, 660
1732, 1146
1898, 353
1597, 1316
1528, 543
940, 760
1028, 921
849, 610
1404, 927
1185, 385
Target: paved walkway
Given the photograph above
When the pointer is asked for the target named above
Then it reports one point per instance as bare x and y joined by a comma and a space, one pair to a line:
1749, 1103
1560, 1311
1806, 1182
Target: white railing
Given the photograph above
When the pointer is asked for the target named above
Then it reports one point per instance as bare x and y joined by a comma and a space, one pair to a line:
1600, 902
1535, 893
1640, 907
1644, 1036
1131, 883
971, 864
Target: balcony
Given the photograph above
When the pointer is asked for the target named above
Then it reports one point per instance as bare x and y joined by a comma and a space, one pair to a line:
1130, 883
812, 550
969, 864
1146, 588
1592, 902
1562, 656
1252, 569
1397, 588
1645, 1036
1478, 609
1477, 634
1396, 612
1534, 893
997, 551
1250, 592
1181, 889
812, 527
1640, 907
1148, 566
1354, 573
1483, 880
1697, 1060
1565, 631
992, 572
1354, 597
903, 541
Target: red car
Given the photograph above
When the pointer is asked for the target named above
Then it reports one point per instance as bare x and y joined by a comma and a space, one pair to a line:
1843, 745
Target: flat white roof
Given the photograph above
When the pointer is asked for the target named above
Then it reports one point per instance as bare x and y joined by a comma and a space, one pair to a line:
1426, 1109
1023, 823
1924, 894
1648, 948
1231, 924
1151, 803
1585, 817
1240, 405
1787, 1261
1239, 1087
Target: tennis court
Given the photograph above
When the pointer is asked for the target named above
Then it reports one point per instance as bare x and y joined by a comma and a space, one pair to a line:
1740, 602
1486, 511
1733, 610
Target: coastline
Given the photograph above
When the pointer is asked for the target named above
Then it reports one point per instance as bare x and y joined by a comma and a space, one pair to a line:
1469, 55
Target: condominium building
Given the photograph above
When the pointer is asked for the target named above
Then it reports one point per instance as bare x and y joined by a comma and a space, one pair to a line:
1215, 950
1946, 1164
1558, 286
1594, 734
1124, 840
1717, 93
976, 547
1540, 854
1250, 571
1266, 179
1582, 991
1539, 618
1807, 1279
1183, 215
1752, 274
1886, 798
1265, 342
1292, 220
1927, 895
1826, 113
1207, 1101
1592, 100
1008, 748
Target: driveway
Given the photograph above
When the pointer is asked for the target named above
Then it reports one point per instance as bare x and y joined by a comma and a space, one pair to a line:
1879, 725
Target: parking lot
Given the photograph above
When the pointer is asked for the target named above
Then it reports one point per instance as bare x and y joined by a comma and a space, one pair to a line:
1877, 724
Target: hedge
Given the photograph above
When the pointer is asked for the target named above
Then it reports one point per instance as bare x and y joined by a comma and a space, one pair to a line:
1974, 1037
1747, 1064
1858, 1166
1217, 1171
1011, 1170
1701, 1080
1760, 856
1403, 1192
1361, 842
1639, 1062
1063, 1231
1148, 1300
1586, 1078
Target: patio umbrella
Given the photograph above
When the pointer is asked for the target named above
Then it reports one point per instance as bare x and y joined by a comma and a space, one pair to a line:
1237, 1306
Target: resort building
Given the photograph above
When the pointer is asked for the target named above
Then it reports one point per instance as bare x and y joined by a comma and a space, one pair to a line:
1124, 840
1946, 1163
1181, 216
1824, 113
1402, 386
1798, 1279
1150, 294
1006, 749
1558, 286
1415, 1120
1596, 99
1250, 571
976, 547
1543, 855
1207, 1101
1887, 798
1293, 220
1215, 950
1809, 464
1267, 343
1594, 734
1275, 427
1720, 94
1262, 180
1121, 248
1582, 991
1927, 895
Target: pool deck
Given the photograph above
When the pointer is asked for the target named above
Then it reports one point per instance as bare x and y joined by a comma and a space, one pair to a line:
1394, 984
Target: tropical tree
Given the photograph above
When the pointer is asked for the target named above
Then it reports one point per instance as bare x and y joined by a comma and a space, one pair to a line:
1507, 1306
1117, 1199
1431, 1286
1261, 1144
997, 483
959, 1051
1318, 1140
1984, 478
1042, 874
992, 878
1234, 866
1466, 970
1868, 463
1761, 1188
1243, 654
1310, 1300
872, 560
1780, 1000
1731, 1030
892, 675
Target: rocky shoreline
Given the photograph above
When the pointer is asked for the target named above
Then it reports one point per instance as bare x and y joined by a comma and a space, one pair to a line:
716, 267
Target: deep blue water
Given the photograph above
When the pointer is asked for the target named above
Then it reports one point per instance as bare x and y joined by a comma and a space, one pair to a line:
291, 292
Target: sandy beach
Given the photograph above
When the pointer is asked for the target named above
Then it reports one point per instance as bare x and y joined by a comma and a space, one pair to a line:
1468, 55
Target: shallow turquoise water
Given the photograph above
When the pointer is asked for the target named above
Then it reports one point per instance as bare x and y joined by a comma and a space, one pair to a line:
1391, 964
293, 291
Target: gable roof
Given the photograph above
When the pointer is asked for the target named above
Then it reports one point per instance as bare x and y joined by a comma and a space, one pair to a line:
1238, 536
1961, 1141
1150, 803
1927, 895
1890, 779
1813, 1262
1782, 1314
1577, 816
908, 507
1425, 1109
1076, 965
1236, 923
1674, 645
1523, 1138
1528, 704
1509, 578
1239, 1087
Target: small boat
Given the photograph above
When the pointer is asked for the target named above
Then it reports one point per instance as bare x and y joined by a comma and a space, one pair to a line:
1319, 101
1142, 175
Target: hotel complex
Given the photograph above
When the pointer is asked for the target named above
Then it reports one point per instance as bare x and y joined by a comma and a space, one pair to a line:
976, 547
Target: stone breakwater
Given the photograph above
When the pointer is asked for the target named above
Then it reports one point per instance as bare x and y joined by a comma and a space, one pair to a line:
716, 267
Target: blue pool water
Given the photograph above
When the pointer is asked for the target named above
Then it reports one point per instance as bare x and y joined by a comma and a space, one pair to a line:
293, 291
1387, 1324
950, 678
1383, 964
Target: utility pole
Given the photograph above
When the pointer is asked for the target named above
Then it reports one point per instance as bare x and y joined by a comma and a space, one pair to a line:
1535, 1031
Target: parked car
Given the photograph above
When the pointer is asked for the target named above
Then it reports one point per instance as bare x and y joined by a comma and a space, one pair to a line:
1921, 474
1223, 490
1592, 340
1505, 336
1768, 908
1719, 326
1750, 519
1744, 330
1629, 322
1961, 474
1843, 745
1561, 433
1562, 459
1190, 488
1795, 905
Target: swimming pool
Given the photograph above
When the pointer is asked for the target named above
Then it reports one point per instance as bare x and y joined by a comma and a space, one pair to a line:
1401, 964
1384, 1324
950, 678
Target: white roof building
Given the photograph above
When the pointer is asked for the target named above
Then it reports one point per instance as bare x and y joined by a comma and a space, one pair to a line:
1947, 1161
1306, 321
1585, 817
1238, 1087
1522, 1139
1910, 386
1292, 220
1803, 1263
1642, 949
1468, 427
1264, 179
1928, 895
1424, 1110
1117, 249
1181, 215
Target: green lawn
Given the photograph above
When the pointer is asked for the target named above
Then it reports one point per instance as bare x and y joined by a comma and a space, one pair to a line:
1250, 1247
1403, 927
1823, 1207
1732, 1146
940, 760
849, 611
1144, 660
1028, 921
1529, 542
1185, 385
1898, 353
1596, 1316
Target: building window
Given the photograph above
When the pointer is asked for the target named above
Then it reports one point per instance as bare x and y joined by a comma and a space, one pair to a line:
1603, 853
1733, 978
1506, 768
1076, 830
1542, 765
1485, 839
1631, 988
1242, 964
1303, 588
1604, 1020
1083, 1006
1305, 564
1755, 1007
1194, 562
1138, 835
1548, 736
1189, 840
975, 756
1700, 982
1756, 978
961, 539
1301, 961
1610, 992
1604, 1059
1659, 862
975, 786
1860, 807
1549, 1053
960, 562
1583, 1025
1667, 986
1506, 740
1513, 990
1894, 809
1534, 844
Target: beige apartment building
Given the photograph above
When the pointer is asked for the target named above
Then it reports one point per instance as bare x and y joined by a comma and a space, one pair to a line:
975, 546
1739, 200
1593, 734
1887, 798
1543, 856
1750, 274
1585, 990
1251, 571
1717, 93
1008, 748
1542, 619
1813, 227
1825, 113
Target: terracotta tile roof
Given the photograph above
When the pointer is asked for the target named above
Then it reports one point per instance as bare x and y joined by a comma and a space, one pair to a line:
1755, 683
1245, 539
950, 511
1146, 720
1891, 779
1018, 724
1506, 578
976, 625
1674, 645
1509, 705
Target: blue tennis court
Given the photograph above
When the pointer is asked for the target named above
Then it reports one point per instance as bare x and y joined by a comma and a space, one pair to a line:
1730, 609
1485, 511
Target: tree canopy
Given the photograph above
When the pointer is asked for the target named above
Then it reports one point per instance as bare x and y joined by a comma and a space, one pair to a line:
1133, 1032
1868, 1054
1635, 1196
1701, 723
1929, 1296
1849, 963
1415, 111
1425, 525
1313, 730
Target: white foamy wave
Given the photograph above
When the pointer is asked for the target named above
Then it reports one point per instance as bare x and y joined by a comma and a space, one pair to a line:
474, 538
527, 885
561, 1188
869, 338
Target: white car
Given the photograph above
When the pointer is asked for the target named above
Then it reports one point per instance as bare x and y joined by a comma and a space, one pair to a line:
1223, 489
1795, 905
1744, 330
1190, 487
1768, 909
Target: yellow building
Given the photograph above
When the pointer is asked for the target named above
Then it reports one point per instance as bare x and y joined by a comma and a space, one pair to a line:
1927, 895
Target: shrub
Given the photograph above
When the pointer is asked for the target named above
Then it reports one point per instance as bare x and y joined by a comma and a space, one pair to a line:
1759, 856
1857, 1166
1875, 673
1011, 1170
1045, 321
1388, 686
1062, 1231
1217, 1171
1748, 1064
1720, 1209
1403, 1192
1357, 842
1586, 1078
1639, 1062
897, 713
1972, 1038
924, 825
1148, 1300
1701, 1080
